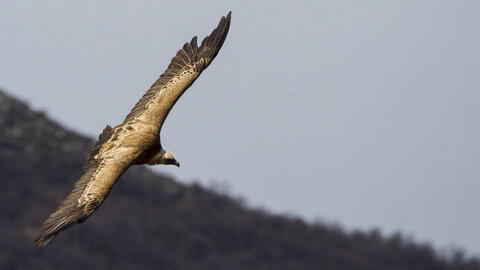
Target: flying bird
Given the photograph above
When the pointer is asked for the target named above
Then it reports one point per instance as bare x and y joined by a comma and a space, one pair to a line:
137, 139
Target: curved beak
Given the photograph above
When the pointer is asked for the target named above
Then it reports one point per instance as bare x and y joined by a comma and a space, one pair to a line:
177, 163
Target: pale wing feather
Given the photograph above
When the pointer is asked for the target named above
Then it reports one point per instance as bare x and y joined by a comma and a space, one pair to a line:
109, 158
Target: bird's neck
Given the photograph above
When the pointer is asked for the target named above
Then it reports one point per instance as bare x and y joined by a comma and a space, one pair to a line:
157, 158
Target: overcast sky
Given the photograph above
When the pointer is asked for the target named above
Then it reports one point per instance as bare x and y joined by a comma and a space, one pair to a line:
361, 113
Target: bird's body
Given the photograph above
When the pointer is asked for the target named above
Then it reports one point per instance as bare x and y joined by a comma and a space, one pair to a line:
137, 140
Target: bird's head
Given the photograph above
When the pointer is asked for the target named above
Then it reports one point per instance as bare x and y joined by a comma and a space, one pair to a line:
168, 159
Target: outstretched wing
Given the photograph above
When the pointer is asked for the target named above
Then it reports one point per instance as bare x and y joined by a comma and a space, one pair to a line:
118, 148
183, 70
109, 158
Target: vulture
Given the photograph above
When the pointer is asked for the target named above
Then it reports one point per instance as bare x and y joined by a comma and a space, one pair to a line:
137, 140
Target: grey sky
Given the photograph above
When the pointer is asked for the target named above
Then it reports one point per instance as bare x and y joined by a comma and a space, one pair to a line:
362, 113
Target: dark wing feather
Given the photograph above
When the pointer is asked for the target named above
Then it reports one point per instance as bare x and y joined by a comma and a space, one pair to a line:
190, 60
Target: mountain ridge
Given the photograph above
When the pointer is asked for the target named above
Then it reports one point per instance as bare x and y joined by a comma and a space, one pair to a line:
150, 221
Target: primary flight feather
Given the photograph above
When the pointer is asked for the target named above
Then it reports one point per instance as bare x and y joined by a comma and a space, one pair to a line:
137, 139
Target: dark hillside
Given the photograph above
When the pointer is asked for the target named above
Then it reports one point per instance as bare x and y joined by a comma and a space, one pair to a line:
149, 221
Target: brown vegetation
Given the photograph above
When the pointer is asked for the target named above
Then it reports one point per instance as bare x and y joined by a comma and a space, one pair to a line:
151, 222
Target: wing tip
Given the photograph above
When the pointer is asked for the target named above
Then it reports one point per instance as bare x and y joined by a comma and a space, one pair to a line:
64, 217
43, 240
48, 231
212, 43
51, 228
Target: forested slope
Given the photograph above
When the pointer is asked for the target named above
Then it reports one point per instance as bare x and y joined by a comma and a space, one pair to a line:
150, 221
